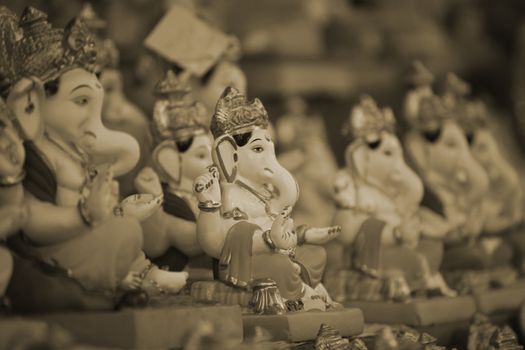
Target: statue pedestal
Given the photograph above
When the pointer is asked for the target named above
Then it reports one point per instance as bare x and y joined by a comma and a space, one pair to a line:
304, 325
418, 312
447, 319
21, 333
292, 326
501, 300
163, 327
501, 304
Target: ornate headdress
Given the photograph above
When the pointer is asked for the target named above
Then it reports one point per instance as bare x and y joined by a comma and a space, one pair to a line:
476, 116
9, 34
456, 91
46, 52
367, 120
456, 86
107, 53
420, 75
176, 116
235, 115
432, 112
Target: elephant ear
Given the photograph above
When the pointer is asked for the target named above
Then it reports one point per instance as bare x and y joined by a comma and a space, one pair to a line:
168, 160
225, 157
24, 100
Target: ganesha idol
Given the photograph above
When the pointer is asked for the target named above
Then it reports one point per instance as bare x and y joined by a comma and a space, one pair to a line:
70, 162
182, 152
455, 183
118, 112
193, 47
383, 252
305, 152
245, 202
503, 204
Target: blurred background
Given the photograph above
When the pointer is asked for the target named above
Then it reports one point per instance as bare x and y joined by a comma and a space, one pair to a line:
332, 51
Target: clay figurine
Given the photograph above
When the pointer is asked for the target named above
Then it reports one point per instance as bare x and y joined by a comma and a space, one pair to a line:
118, 112
244, 221
383, 246
503, 204
205, 55
305, 152
71, 159
182, 152
455, 183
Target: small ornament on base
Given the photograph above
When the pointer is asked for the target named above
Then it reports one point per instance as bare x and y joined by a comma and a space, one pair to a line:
329, 338
266, 299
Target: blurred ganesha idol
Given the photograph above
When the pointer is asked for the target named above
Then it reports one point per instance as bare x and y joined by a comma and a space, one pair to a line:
182, 152
382, 242
456, 185
305, 152
503, 205
192, 47
71, 157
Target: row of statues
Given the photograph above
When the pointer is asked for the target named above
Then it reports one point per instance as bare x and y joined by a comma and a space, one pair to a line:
202, 196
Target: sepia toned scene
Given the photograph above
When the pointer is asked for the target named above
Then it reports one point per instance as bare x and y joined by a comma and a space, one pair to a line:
262, 174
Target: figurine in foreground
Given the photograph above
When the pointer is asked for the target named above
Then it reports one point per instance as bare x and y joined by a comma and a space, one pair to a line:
13, 212
71, 159
245, 202
455, 183
383, 251
182, 153
305, 152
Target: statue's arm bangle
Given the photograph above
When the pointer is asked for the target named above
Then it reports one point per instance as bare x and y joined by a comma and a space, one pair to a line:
84, 213
12, 180
301, 234
268, 240
209, 206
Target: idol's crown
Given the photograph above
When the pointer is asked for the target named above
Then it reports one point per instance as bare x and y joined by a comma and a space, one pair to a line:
420, 75
235, 115
476, 116
46, 52
108, 55
176, 115
368, 120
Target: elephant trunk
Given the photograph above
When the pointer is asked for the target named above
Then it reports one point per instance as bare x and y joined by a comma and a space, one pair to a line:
117, 148
409, 187
287, 187
473, 178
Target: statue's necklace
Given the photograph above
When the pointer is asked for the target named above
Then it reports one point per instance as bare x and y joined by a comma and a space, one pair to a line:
260, 197
79, 157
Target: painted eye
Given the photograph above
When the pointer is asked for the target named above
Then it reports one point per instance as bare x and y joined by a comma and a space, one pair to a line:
81, 101
258, 149
201, 156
